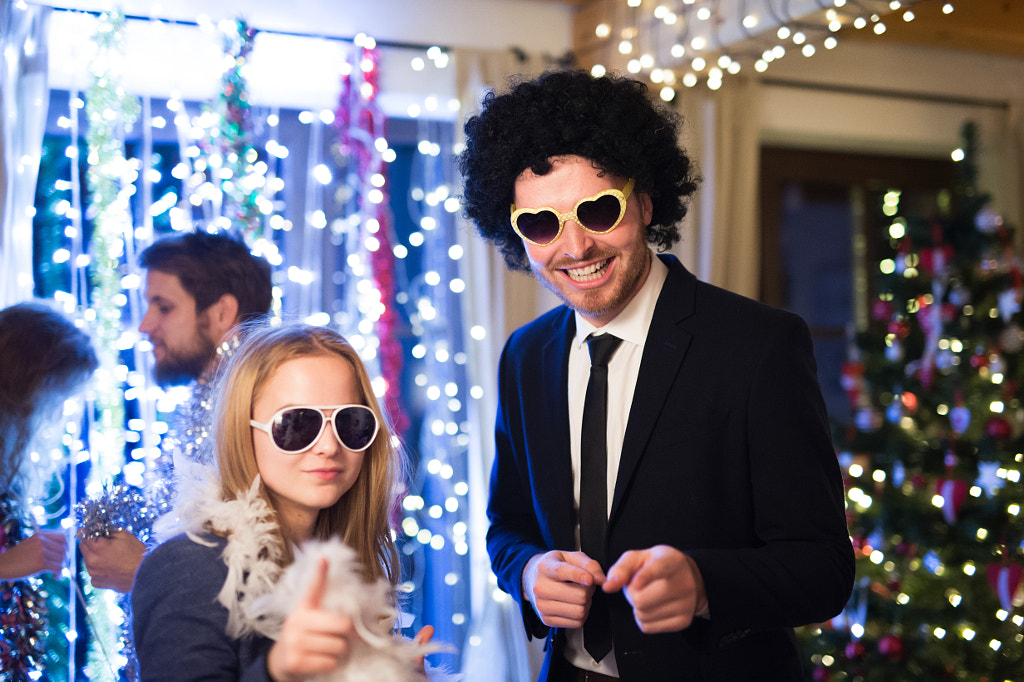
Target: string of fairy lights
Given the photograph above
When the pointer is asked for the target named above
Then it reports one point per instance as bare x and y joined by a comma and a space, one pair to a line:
682, 43
228, 176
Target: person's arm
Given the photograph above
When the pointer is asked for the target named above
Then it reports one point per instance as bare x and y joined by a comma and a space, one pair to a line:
113, 561
44, 551
799, 568
553, 587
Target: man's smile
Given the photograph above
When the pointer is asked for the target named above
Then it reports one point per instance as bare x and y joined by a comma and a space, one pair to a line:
588, 273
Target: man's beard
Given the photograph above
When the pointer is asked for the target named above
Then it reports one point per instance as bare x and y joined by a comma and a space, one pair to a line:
178, 368
590, 303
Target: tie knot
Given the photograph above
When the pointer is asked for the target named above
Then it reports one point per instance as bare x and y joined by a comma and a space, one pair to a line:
602, 348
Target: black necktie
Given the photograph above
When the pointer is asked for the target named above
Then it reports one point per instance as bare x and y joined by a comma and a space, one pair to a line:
597, 634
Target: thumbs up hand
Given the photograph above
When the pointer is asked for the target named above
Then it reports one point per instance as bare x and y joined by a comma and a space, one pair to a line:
312, 640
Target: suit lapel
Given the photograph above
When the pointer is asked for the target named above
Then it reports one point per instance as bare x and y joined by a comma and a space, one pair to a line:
664, 350
553, 476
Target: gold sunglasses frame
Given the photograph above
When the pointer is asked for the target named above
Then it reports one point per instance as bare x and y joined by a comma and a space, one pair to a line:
622, 195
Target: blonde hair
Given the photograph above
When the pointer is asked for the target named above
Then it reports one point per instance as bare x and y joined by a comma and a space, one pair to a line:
361, 517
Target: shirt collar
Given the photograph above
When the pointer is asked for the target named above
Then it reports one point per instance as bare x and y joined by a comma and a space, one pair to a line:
635, 319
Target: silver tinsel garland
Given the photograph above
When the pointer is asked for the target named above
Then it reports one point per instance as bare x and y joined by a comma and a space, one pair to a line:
119, 507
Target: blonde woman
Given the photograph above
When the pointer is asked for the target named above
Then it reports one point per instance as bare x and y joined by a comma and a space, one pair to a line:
303, 453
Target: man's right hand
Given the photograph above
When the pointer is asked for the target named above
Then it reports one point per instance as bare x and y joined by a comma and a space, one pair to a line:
560, 585
113, 561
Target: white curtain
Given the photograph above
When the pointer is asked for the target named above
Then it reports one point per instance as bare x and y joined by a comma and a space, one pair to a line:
730, 232
24, 94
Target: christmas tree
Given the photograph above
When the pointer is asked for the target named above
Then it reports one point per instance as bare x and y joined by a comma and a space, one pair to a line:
933, 457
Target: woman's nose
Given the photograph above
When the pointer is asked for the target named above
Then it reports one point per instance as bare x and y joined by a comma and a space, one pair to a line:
327, 443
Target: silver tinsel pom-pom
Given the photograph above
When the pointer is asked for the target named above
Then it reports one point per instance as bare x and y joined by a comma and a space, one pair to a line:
119, 507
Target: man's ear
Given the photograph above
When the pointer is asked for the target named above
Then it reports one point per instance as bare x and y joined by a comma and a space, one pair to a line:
646, 208
223, 316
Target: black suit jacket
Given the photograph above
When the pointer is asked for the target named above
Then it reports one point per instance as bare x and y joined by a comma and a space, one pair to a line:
727, 456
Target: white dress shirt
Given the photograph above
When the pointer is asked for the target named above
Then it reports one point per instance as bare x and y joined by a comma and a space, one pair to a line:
631, 325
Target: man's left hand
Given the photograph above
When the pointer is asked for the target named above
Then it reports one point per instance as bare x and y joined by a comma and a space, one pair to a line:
663, 585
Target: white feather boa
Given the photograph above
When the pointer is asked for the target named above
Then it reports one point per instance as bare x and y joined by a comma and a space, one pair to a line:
259, 595
252, 555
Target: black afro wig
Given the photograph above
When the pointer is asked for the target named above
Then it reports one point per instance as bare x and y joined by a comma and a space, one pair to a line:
610, 121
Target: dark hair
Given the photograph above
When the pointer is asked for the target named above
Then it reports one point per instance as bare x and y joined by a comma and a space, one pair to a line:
610, 121
211, 265
43, 355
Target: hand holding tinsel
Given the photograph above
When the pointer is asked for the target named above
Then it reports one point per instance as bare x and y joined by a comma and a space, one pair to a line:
114, 561
119, 507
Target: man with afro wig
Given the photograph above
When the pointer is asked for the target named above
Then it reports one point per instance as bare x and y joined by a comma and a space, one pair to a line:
680, 527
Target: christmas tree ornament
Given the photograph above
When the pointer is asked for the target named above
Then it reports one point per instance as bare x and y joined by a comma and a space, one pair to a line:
988, 221
932, 561
944, 360
1009, 304
935, 261
899, 474
1011, 339
894, 413
891, 646
882, 310
998, 428
989, 479
900, 328
852, 380
868, 419
923, 370
996, 364
894, 351
907, 549
953, 493
959, 296
959, 419
1006, 579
